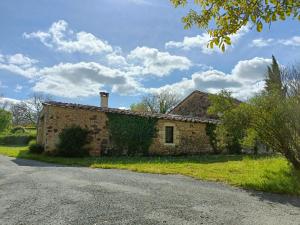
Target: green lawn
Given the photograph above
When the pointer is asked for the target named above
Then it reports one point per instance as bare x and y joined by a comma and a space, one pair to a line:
265, 173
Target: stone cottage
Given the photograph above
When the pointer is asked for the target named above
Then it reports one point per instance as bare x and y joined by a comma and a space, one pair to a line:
176, 134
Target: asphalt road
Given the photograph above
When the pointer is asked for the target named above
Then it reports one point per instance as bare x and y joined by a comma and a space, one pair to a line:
39, 193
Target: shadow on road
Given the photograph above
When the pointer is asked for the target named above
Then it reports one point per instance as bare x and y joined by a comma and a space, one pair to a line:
276, 198
33, 163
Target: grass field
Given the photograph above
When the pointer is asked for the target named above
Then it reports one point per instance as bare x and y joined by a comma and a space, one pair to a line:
265, 173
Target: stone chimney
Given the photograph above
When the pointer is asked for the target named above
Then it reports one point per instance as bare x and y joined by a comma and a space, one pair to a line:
104, 99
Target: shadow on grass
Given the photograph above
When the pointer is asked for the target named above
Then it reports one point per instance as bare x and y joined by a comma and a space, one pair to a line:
126, 160
203, 159
24, 154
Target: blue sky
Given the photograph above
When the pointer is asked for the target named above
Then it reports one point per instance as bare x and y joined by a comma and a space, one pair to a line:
73, 49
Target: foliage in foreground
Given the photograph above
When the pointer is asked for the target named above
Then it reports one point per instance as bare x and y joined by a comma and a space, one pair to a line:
222, 19
265, 173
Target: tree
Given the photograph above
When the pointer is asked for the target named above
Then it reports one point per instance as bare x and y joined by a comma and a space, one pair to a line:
5, 120
274, 78
160, 103
234, 120
224, 18
221, 103
276, 121
21, 114
139, 107
35, 104
276, 117
28, 112
291, 80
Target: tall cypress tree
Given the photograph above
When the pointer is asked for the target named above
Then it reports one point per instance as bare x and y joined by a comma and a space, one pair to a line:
273, 80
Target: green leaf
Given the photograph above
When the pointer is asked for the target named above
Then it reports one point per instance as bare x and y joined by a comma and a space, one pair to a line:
259, 26
223, 48
253, 18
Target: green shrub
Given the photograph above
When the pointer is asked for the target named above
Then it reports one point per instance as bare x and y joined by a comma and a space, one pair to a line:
35, 148
18, 129
16, 139
73, 141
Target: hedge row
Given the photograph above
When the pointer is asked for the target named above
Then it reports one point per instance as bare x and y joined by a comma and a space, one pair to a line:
16, 139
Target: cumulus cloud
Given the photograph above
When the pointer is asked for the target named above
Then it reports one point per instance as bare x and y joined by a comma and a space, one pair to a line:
82, 79
121, 74
246, 79
201, 41
116, 59
19, 64
251, 70
152, 61
61, 38
19, 59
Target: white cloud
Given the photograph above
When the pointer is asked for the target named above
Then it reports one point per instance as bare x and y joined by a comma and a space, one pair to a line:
1, 58
246, 79
115, 59
251, 70
152, 61
82, 79
6, 102
122, 74
19, 59
260, 42
19, 64
61, 38
293, 41
201, 41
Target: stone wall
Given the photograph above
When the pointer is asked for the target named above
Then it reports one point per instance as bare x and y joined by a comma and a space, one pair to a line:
189, 137
54, 119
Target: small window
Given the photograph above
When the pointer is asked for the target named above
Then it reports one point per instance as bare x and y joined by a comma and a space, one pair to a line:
169, 134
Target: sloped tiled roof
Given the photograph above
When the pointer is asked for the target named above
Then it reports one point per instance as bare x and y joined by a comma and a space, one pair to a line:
129, 112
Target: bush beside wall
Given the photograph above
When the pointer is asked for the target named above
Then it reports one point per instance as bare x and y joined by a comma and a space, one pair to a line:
73, 142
